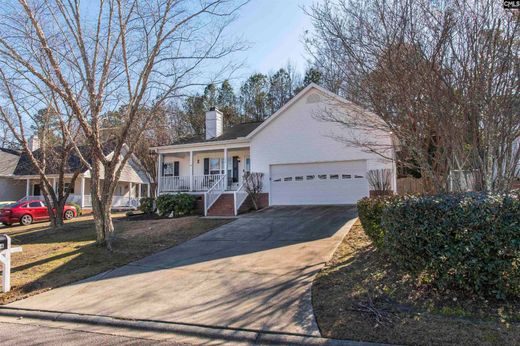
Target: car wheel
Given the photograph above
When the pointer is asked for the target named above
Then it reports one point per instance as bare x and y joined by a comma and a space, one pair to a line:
26, 220
6, 224
69, 214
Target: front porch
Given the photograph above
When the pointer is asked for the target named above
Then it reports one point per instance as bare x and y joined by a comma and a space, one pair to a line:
213, 173
126, 195
199, 171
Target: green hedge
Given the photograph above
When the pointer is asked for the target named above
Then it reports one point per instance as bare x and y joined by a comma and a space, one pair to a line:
147, 205
179, 204
370, 211
469, 242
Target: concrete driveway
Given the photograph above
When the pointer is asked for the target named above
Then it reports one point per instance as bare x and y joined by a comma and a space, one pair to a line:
254, 273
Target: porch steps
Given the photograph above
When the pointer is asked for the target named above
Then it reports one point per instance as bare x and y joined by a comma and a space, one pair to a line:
223, 206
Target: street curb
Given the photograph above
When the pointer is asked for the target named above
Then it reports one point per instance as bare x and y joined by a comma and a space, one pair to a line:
257, 337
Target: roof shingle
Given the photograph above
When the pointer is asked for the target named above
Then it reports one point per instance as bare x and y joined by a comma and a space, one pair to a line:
234, 132
74, 164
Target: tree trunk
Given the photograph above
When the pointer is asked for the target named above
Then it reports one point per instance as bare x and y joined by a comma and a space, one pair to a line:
254, 198
55, 217
103, 222
101, 192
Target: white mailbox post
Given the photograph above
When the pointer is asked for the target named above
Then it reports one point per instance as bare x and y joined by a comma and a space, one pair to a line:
5, 258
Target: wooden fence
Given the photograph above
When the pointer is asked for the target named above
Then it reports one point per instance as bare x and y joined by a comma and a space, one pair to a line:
410, 185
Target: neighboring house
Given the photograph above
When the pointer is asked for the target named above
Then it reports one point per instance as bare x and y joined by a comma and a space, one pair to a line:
133, 184
299, 154
10, 190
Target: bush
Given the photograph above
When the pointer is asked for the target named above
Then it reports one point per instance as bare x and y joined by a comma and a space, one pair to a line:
469, 242
370, 211
147, 205
165, 204
179, 204
184, 204
77, 207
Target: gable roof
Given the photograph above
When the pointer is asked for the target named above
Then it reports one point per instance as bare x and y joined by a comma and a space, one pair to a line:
234, 132
74, 164
295, 99
9, 159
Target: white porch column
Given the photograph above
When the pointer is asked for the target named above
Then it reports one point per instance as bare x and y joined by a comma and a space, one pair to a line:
159, 173
191, 170
130, 191
225, 167
82, 192
148, 190
54, 185
28, 188
139, 191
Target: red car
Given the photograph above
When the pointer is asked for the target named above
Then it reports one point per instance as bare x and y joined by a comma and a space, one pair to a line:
28, 211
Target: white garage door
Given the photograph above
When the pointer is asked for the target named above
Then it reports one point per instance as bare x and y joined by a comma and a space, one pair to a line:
319, 183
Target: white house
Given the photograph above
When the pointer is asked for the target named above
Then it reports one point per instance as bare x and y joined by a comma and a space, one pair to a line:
22, 181
299, 153
10, 190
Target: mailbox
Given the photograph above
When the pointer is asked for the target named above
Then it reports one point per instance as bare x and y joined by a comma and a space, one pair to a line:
4, 242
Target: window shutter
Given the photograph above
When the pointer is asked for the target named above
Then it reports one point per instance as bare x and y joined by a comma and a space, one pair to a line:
176, 169
206, 166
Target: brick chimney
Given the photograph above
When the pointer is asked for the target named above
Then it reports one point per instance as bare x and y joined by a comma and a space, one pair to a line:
214, 123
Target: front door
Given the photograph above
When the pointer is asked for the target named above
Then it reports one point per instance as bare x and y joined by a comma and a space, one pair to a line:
235, 169
36, 191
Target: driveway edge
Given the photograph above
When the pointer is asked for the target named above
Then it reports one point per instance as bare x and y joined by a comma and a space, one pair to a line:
179, 329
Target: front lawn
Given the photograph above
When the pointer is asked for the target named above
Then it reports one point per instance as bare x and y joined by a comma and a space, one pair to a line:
55, 258
359, 295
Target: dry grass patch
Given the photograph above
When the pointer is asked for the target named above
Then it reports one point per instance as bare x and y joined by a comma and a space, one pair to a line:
55, 258
359, 295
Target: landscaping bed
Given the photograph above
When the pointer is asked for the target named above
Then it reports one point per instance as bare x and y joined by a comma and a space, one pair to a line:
361, 295
56, 258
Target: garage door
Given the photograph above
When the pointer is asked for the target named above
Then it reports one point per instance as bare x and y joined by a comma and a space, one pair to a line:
319, 183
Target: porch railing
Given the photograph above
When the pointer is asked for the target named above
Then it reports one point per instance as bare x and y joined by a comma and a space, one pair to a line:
205, 182
240, 196
117, 201
214, 192
182, 183
169, 184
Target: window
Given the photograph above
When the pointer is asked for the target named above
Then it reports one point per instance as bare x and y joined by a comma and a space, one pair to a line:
214, 166
287, 179
358, 176
322, 176
248, 164
276, 180
334, 176
346, 176
168, 169
69, 187
311, 177
171, 169
298, 178
34, 205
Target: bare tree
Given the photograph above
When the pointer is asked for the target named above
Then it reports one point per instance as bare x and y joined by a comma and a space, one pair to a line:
443, 76
253, 183
380, 180
55, 149
134, 53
